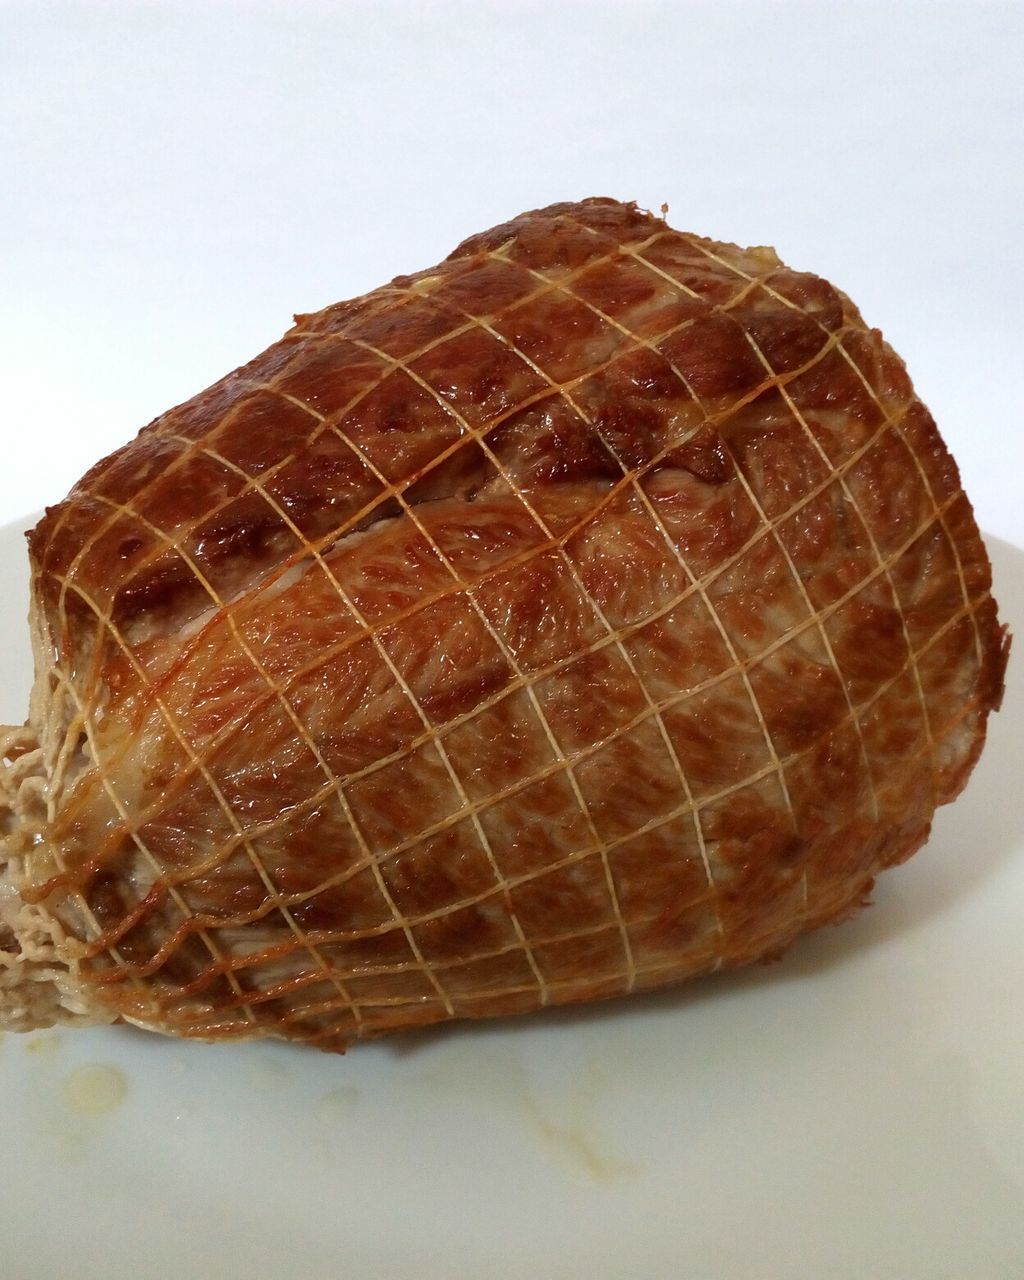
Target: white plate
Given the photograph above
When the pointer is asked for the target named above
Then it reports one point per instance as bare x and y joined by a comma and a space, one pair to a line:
854, 1111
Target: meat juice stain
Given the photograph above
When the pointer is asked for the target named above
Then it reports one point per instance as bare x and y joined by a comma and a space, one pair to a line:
572, 1141
574, 1147
95, 1089
565, 1125
44, 1046
569, 1131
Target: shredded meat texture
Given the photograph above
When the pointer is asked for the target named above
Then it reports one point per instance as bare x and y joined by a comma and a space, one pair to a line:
597, 609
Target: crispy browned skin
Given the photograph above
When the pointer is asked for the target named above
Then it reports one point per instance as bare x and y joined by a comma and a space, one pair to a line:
596, 609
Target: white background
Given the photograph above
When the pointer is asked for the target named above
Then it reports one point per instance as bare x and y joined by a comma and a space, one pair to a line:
175, 181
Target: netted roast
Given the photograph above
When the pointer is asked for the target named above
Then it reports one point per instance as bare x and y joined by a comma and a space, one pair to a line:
597, 609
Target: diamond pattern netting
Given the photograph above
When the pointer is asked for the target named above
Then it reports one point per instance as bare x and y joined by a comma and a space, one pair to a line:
594, 610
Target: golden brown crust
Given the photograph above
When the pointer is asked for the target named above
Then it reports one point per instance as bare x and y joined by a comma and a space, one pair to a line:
595, 609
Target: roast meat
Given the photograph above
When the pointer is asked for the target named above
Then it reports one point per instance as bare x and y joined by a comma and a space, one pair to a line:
594, 610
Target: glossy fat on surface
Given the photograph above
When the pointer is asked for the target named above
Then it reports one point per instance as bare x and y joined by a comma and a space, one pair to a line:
596, 609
